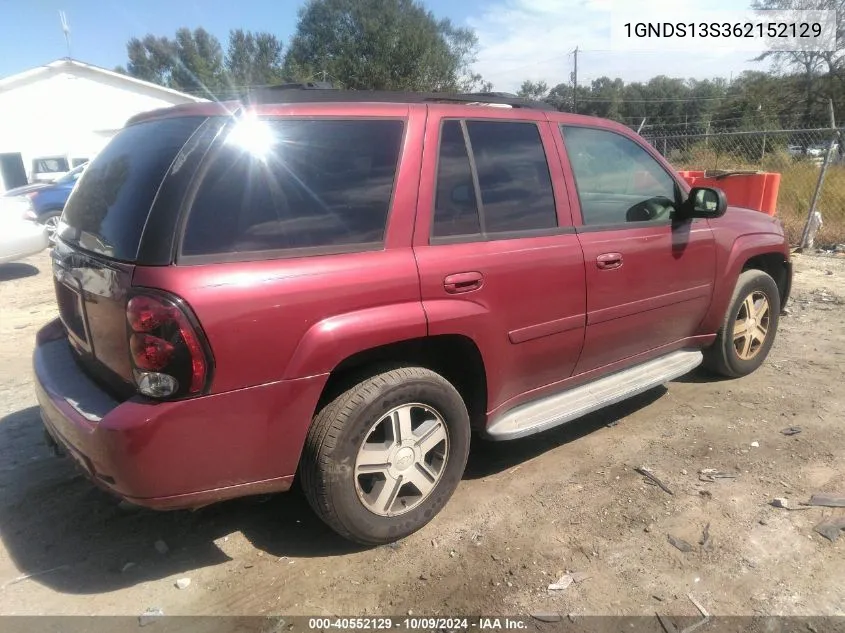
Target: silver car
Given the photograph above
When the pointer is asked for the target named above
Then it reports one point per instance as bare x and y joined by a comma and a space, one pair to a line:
20, 233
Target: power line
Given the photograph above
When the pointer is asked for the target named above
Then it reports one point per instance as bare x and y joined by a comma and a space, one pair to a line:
510, 70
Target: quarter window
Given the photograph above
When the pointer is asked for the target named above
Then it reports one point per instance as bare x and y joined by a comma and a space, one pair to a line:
617, 180
290, 184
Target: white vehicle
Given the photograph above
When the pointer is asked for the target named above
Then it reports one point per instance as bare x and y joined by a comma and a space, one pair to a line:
51, 168
817, 151
20, 233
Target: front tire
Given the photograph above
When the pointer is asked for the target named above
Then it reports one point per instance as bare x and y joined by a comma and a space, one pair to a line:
384, 457
749, 329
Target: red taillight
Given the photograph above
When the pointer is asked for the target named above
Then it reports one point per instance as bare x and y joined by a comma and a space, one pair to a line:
150, 352
145, 314
165, 347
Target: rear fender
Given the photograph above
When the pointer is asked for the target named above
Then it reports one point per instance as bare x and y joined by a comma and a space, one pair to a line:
330, 341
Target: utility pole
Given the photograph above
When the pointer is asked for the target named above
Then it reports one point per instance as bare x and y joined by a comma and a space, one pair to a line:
66, 29
575, 84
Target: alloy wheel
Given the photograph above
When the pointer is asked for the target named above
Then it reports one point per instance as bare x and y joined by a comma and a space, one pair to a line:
751, 325
401, 460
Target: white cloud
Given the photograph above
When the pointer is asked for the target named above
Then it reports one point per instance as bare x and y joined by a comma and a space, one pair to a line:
534, 39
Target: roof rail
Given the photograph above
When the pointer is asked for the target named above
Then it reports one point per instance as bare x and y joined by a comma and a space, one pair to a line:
309, 85
321, 92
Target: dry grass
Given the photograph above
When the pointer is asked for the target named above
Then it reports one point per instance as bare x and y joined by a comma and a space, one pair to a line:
798, 181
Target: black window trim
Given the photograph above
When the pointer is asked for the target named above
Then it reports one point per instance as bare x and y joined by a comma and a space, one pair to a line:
615, 226
470, 238
163, 230
476, 183
281, 253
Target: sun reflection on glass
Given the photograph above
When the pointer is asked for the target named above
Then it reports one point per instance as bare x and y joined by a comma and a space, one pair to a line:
253, 136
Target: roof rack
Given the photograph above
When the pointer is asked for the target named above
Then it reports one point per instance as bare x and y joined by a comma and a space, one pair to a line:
326, 93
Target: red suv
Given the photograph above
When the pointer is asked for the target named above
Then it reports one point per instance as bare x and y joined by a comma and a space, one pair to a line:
338, 287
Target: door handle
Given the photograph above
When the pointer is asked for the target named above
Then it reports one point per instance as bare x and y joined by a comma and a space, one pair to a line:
463, 282
609, 261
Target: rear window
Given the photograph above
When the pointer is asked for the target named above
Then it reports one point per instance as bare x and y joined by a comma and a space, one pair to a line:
287, 184
50, 165
107, 211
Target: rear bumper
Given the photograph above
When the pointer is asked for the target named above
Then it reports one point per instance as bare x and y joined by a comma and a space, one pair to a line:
181, 454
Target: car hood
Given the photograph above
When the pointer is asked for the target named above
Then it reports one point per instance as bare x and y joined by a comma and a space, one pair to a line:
749, 221
20, 191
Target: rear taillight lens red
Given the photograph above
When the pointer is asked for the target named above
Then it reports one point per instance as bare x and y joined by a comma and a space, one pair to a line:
166, 346
150, 352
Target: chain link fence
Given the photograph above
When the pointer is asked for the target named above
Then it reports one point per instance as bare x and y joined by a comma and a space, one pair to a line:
798, 155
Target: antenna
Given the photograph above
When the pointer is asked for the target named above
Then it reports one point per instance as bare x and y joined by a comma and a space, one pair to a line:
575, 84
66, 29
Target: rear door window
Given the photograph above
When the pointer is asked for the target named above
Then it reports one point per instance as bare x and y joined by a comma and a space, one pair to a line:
455, 206
108, 208
511, 172
278, 185
513, 175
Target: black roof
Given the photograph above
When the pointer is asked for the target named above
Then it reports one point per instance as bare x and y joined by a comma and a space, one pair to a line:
325, 93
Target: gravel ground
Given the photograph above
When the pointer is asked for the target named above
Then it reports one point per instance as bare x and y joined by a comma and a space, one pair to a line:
526, 513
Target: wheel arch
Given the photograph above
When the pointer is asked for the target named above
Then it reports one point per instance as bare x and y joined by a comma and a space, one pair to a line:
776, 266
762, 251
456, 357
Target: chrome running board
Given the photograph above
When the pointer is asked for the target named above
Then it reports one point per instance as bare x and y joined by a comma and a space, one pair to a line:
560, 408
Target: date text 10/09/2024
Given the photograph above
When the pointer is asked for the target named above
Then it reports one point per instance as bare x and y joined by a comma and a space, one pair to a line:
714, 30
417, 624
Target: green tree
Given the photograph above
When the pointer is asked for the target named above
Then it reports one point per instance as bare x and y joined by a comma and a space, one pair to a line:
381, 45
200, 66
151, 59
604, 99
192, 61
253, 59
533, 90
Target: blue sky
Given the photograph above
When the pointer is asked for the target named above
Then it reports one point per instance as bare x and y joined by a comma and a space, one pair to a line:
519, 39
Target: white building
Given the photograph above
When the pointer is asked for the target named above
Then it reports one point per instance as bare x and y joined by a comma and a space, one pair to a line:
70, 109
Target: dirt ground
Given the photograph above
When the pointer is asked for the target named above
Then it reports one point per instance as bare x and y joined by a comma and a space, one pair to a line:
526, 512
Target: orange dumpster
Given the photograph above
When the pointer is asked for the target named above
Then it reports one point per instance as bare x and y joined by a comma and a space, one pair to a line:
751, 190
691, 176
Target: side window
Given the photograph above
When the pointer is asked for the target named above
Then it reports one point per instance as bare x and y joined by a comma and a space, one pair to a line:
455, 207
617, 180
512, 175
288, 184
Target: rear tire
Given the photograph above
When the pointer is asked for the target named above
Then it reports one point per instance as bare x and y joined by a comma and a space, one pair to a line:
384, 457
748, 331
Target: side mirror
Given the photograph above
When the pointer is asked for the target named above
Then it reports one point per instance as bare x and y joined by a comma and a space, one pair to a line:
705, 202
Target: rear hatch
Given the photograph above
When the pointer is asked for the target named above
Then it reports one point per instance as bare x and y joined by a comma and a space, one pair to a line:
99, 238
